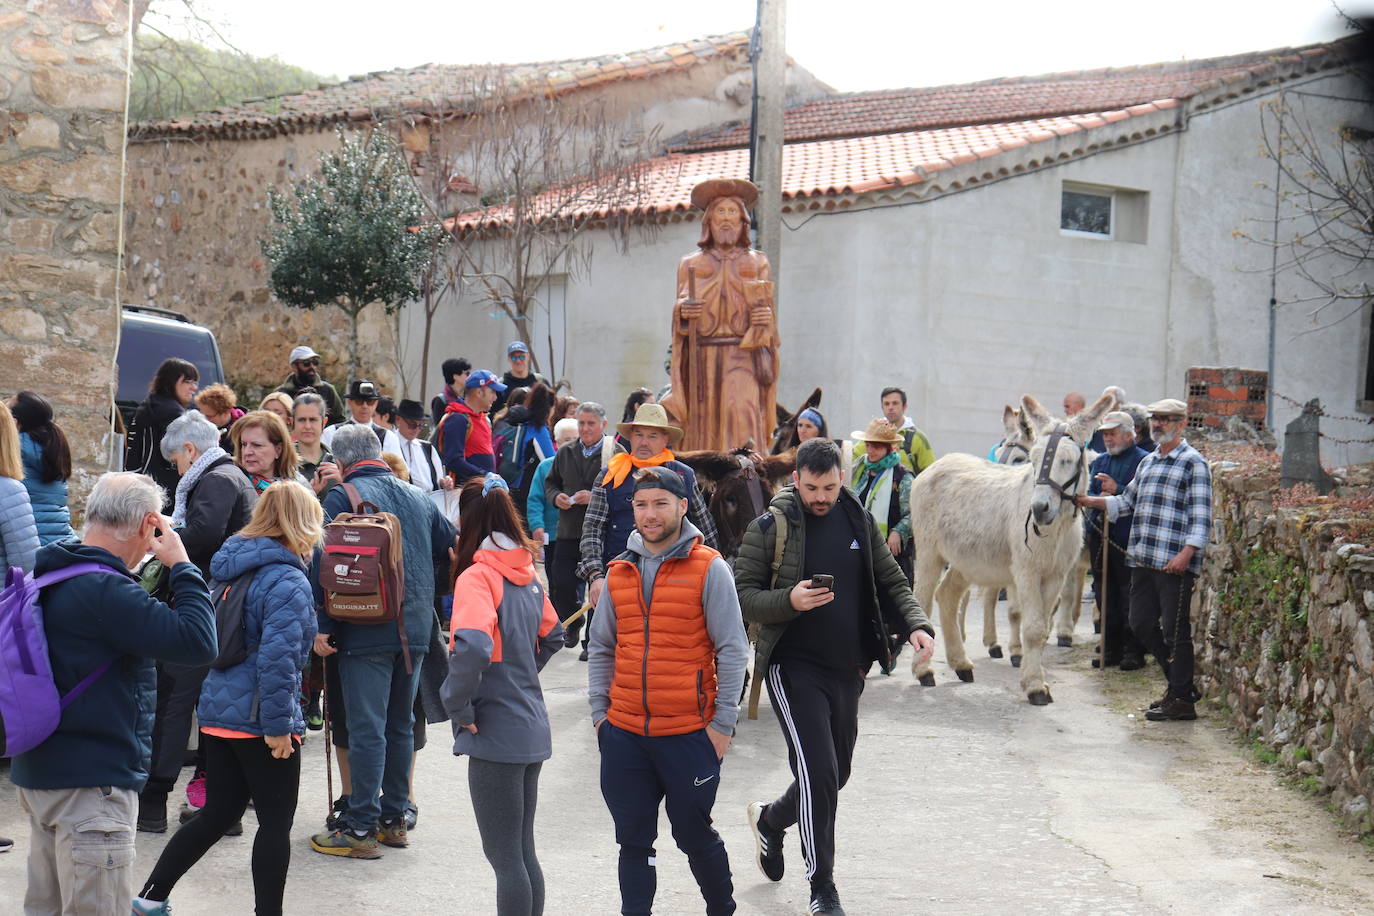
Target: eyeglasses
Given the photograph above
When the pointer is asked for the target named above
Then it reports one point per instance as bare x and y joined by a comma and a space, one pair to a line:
518, 357
307, 362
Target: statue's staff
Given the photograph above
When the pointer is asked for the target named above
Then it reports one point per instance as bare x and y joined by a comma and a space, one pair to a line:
698, 382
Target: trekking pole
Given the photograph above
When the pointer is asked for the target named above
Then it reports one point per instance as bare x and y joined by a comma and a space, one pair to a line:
577, 615
328, 747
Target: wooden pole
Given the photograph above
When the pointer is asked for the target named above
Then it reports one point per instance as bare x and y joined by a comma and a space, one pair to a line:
770, 102
1102, 593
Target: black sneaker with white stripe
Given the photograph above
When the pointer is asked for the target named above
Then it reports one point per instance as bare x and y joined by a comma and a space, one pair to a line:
825, 900
767, 843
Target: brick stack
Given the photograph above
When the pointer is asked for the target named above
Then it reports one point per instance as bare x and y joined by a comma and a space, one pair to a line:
1216, 394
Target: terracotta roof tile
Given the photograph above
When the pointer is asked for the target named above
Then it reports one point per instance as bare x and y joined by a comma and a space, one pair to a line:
433, 88
1020, 98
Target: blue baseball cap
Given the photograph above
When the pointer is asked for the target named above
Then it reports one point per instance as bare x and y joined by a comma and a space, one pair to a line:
481, 378
517, 346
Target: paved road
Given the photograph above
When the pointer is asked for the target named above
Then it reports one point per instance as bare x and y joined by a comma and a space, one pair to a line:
964, 799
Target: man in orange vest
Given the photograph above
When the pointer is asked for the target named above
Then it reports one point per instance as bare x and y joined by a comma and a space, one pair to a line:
666, 659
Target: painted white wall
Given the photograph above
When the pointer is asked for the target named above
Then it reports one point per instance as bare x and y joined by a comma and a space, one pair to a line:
971, 299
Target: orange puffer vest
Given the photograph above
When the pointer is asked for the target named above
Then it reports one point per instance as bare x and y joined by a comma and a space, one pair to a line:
665, 664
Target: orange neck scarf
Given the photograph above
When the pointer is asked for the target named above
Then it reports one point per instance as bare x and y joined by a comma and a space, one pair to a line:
623, 462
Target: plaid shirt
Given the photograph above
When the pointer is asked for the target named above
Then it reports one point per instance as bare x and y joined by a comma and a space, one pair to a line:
592, 565
1171, 500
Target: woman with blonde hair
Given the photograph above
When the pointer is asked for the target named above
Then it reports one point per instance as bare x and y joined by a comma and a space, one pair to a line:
250, 718
280, 404
18, 533
263, 449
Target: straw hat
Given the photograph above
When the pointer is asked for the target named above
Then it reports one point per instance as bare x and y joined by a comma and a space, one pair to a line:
654, 416
714, 188
880, 431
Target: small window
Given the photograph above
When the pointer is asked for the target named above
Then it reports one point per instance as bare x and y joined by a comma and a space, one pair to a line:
1086, 213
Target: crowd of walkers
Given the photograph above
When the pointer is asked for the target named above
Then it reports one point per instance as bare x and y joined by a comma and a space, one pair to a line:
224, 584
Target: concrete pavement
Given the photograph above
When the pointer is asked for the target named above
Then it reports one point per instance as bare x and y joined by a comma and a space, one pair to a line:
964, 798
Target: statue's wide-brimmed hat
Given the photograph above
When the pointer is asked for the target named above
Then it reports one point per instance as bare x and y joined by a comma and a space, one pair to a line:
880, 431
714, 188
652, 415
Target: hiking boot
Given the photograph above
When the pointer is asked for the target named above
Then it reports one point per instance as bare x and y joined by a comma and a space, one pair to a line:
570, 638
392, 832
1171, 710
152, 812
335, 820
767, 843
314, 718
582, 657
6, 844
825, 900
195, 790
412, 814
151, 907
1132, 663
347, 843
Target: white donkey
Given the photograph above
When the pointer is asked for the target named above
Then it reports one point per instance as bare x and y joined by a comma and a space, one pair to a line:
994, 524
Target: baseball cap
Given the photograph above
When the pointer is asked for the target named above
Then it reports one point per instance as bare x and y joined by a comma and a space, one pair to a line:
360, 389
481, 378
517, 346
660, 479
302, 352
1117, 419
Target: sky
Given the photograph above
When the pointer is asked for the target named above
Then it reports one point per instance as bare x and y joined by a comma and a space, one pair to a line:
854, 45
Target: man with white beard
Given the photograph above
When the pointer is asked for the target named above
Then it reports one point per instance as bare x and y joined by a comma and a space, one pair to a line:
1109, 474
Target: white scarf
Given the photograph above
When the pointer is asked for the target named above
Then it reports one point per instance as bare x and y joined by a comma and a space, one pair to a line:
188, 480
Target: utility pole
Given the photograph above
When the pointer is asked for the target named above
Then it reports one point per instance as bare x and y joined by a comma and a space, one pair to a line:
770, 98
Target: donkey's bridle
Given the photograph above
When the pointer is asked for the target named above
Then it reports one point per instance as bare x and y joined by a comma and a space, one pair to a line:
1006, 449
1042, 478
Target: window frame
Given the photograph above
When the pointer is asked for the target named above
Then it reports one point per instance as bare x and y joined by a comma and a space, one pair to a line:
1109, 193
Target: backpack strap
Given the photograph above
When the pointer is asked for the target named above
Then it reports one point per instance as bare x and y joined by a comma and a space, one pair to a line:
61, 575
779, 547
359, 505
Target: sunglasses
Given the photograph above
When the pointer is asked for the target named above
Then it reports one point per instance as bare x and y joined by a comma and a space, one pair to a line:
307, 362
518, 357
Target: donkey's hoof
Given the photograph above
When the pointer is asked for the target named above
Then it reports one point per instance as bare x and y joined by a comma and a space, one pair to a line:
927, 680
1016, 661
994, 651
1040, 697
1065, 642
965, 675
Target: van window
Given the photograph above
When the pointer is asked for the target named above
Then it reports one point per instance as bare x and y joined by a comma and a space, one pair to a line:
143, 345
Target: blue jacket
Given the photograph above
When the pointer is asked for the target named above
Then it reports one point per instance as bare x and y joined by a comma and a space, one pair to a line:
532, 435
260, 695
105, 738
18, 536
1120, 468
539, 512
49, 500
426, 536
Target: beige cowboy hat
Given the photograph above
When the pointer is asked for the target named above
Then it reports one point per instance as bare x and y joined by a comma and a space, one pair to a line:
879, 430
652, 415
714, 188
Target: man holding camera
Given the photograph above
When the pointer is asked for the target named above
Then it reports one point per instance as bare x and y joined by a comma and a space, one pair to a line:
829, 600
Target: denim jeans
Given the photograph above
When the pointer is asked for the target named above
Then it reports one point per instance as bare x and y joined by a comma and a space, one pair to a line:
379, 699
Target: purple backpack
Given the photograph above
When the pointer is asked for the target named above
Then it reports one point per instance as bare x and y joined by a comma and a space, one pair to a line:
30, 707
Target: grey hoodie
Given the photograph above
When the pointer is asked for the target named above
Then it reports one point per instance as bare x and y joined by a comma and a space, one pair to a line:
724, 625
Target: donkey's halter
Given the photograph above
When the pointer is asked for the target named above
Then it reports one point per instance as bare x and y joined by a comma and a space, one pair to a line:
1006, 451
1042, 478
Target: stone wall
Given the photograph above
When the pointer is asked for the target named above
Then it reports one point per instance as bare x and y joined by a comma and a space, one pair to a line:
1285, 609
62, 90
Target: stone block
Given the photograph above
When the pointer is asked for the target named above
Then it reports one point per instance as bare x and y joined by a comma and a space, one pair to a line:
38, 51
44, 275
30, 232
10, 20
23, 324
93, 176
39, 132
99, 233
98, 12
64, 88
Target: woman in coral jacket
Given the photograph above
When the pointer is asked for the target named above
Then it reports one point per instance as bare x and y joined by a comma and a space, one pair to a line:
504, 630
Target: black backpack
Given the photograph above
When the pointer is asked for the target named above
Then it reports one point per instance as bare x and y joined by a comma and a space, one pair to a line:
230, 626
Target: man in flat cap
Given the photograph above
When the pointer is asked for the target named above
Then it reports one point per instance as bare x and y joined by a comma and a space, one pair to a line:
725, 340
1171, 502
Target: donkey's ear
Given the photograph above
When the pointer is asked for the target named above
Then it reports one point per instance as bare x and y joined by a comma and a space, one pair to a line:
1085, 422
783, 414
1010, 416
1034, 416
814, 399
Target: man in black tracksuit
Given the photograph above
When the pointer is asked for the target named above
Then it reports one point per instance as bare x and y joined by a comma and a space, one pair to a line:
816, 644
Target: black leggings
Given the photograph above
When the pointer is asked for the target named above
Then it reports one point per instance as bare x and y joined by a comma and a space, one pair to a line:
504, 796
236, 770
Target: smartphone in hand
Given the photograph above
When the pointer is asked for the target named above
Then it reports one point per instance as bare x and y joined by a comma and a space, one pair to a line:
823, 581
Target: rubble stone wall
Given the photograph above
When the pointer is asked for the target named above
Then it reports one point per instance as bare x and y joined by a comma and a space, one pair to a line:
1284, 638
62, 88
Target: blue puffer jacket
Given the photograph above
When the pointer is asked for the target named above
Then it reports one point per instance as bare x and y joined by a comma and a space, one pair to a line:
18, 536
426, 537
49, 500
260, 695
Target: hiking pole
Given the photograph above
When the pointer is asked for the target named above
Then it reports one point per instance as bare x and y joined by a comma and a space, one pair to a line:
328, 747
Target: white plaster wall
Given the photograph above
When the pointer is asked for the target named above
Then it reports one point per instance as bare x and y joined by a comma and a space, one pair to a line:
971, 299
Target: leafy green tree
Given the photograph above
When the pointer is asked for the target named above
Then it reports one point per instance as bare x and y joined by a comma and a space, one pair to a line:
174, 77
354, 234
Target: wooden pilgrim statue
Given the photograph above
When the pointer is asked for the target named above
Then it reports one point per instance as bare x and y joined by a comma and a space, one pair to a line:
725, 338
